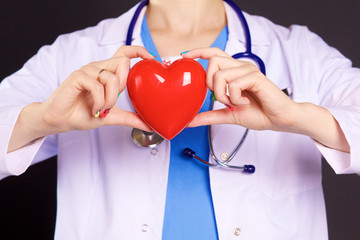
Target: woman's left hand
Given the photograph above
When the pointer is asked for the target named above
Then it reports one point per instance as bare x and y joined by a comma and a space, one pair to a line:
258, 103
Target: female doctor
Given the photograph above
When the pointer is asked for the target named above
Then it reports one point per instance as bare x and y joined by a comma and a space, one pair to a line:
63, 102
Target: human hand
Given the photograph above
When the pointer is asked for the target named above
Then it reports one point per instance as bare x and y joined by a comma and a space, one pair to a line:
84, 99
258, 103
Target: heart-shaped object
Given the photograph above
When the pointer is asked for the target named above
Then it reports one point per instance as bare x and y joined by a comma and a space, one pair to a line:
167, 96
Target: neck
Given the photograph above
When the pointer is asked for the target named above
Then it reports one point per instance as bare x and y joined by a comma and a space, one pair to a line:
185, 17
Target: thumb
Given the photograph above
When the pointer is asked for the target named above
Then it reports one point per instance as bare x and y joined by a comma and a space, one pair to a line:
220, 116
133, 52
204, 53
121, 117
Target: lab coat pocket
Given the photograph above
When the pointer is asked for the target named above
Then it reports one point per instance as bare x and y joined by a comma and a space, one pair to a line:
288, 164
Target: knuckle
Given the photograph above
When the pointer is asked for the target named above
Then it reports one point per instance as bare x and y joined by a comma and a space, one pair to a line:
218, 76
233, 85
77, 74
83, 68
114, 79
136, 47
247, 63
95, 63
252, 67
217, 50
244, 63
98, 87
214, 59
120, 51
139, 48
123, 59
255, 74
122, 48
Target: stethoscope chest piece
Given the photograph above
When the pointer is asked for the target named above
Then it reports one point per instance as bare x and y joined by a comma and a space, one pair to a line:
146, 139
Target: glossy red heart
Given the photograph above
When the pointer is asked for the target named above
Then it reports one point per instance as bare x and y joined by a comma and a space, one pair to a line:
167, 96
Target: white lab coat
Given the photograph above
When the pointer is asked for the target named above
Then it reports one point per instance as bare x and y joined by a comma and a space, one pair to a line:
108, 188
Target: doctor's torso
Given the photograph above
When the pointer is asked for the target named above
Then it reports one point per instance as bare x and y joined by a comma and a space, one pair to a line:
109, 186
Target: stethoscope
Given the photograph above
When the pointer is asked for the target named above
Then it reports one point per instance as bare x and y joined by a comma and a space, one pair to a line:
145, 139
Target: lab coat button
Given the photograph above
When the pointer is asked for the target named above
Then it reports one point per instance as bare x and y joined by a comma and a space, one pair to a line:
153, 151
237, 231
224, 156
144, 227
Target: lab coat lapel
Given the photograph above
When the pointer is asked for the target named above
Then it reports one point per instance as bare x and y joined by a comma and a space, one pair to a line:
115, 36
142, 165
117, 31
232, 189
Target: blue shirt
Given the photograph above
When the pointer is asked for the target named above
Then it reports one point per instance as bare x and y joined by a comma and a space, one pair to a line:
189, 212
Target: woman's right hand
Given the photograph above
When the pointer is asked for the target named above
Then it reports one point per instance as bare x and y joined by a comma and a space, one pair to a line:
82, 101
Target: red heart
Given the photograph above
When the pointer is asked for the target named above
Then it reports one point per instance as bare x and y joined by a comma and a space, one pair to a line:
167, 97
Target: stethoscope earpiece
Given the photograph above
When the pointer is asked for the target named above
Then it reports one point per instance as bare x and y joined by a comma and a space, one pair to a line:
249, 169
189, 153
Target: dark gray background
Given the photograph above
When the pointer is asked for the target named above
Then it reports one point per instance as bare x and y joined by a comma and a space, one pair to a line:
28, 202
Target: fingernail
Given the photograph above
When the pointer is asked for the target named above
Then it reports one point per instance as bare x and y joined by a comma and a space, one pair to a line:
229, 107
152, 54
184, 52
97, 114
213, 95
105, 113
118, 95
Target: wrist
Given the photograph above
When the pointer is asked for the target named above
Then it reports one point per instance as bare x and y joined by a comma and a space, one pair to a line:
309, 119
32, 120
300, 122
320, 125
28, 127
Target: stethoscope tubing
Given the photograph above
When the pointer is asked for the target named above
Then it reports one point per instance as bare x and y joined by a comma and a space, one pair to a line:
247, 54
244, 24
133, 22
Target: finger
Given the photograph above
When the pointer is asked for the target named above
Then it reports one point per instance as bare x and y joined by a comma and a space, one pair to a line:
96, 89
109, 80
219, 83
110, 65
240, 88
223, 79
122, 71
220, 116
133, 52
217, 63
205, 53
111, 83
117, 65
125, 118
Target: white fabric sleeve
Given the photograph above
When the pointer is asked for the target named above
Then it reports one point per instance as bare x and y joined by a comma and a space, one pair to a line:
33, 83
16, 162
338, 89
